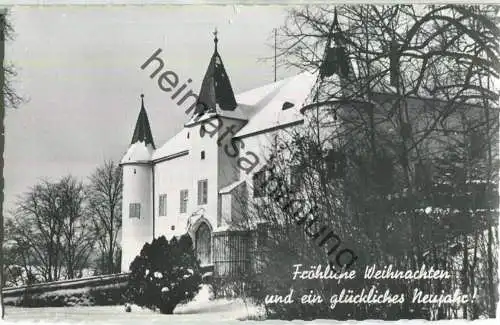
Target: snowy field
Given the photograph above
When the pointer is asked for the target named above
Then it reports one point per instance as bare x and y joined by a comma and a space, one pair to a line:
201, 310
221, 313
117, 315
229, 313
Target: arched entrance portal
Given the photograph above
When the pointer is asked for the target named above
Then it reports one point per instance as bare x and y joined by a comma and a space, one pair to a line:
203, 244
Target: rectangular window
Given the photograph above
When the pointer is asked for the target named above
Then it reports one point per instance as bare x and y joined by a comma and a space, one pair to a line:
184, 201
259, 183
134, 210
202, 192
163, 205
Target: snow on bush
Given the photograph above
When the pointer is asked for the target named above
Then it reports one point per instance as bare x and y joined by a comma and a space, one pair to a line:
164, 275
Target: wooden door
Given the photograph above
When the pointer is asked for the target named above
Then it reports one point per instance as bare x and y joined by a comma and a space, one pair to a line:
204, 244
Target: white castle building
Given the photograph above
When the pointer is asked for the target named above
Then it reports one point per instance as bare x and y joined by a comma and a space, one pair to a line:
196, 182
202, 180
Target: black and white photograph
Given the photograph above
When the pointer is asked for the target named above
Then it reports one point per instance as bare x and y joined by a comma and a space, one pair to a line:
213, 164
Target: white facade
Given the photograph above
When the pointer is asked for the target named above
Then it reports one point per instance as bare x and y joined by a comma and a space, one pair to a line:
231, 148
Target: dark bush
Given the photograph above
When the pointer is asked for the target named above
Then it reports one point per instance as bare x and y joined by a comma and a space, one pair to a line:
109, 296
164, 274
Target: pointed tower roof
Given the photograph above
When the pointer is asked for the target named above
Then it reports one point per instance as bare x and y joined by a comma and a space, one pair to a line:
142, 131
216, 88
142, 146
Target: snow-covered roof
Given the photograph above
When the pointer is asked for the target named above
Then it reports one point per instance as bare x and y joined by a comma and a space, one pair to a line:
262, 107
256, 96
176, 144
291, 92
138, 152
248, 103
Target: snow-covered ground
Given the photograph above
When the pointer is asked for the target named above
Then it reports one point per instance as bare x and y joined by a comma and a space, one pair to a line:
201, 310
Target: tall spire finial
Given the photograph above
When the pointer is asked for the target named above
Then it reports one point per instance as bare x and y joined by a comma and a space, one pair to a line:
335, 59
216, 91
215, 38
142, 131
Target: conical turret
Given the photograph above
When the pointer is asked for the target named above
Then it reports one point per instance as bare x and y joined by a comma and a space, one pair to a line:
142, 144
216, 91
137, 192
142, 131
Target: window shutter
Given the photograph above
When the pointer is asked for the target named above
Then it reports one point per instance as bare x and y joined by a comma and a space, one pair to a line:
205, 191
183, 201
163, 205
199, 192
202, 192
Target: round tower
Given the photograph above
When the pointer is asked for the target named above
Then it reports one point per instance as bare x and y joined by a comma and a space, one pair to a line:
137, 201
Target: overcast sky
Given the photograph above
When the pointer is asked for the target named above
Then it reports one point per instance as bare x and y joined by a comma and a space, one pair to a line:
79, 67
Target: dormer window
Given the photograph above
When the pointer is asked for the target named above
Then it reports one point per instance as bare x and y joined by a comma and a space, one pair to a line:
287, 105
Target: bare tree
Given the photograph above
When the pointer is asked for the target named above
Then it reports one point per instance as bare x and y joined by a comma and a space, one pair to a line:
410, 86
383, 41
18, 265
37, 224
77, 231
105, 199
2, 143
8, 98
51, 223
